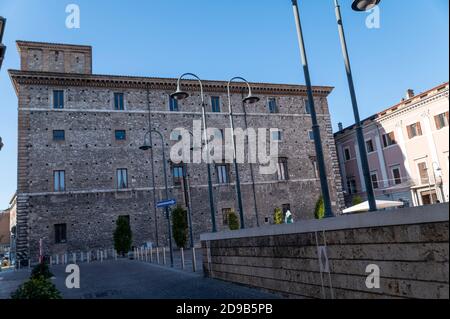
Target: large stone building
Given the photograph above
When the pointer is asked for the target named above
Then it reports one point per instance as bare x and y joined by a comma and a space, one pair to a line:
407, 147
80, 166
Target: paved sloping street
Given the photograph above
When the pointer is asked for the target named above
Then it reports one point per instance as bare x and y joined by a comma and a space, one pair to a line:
130, 279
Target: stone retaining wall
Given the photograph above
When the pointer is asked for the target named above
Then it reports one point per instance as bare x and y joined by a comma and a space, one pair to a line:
410, 247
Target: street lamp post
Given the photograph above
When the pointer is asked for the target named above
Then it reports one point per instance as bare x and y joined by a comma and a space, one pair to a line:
315, 124
181, 95
252, 175
147, 145
152, 168
250, 99
358, 5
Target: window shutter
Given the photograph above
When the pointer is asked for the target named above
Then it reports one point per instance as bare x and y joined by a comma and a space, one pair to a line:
409, 129
438, 123
419, 129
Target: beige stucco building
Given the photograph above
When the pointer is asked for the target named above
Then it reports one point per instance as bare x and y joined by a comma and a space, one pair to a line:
408, 150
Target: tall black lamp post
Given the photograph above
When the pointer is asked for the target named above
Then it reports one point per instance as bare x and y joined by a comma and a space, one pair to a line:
181, 95
250, 99
358, 5
315, 124
147, 146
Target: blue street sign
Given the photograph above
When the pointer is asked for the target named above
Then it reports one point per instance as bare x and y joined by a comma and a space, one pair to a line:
166, 203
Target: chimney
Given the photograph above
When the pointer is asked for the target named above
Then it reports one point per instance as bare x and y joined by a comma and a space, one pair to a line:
340, 126
409, 94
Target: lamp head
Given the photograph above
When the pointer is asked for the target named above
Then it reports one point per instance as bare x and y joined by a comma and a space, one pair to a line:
364, 5
179, 94
251, 99
147, 145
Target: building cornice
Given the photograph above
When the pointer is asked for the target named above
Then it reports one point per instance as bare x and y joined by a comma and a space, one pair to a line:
436, 93
133, 82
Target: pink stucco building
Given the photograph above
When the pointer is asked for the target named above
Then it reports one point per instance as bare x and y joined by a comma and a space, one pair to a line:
408, 151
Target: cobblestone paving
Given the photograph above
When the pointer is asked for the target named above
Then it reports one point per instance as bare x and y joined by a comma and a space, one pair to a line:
131, 279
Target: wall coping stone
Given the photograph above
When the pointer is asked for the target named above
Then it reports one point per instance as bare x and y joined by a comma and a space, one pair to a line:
405, 216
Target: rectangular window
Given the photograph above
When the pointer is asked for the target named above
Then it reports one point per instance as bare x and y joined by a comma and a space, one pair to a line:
282, 169
225, 215
215, 104
351, 186
347, 154
122, 178
277, 135
414, 130
59, 135
59, 181
173, 105
307, 107
396, 174
119, 104
389, 139
222, 174
441, 120
121, 135
178, 174
423, 173
58, 99
370, 147
60, 233
273, 108
374, 178
311, 135
315, 166
218, 134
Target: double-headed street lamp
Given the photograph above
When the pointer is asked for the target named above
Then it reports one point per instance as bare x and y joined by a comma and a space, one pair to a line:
147, 146
250, 99
181, 95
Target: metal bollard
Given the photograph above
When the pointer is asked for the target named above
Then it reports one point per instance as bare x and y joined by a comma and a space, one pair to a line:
182, 258
74, 258
157, 255
146, 254
194, 261
98, 255
57, 259
81, 257
151, 254
88, 257
164, 255
101, 256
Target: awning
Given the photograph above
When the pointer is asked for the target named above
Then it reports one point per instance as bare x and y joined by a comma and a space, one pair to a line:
364, 207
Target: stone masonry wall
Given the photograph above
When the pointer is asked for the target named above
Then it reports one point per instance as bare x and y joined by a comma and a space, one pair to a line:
90, 155
409, 246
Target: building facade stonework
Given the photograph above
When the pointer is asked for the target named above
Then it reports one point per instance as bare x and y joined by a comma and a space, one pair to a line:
80, 166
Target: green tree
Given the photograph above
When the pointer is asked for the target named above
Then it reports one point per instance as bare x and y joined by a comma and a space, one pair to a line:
41, 270
180, 226
357, 200
233, 222
319, 211
278, 216
123, 236
37, 288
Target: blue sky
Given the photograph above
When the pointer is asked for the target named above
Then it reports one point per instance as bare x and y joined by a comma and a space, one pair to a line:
221, 39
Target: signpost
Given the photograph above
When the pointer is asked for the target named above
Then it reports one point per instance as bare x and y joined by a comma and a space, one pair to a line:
166, 203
